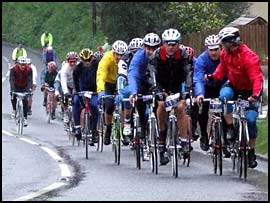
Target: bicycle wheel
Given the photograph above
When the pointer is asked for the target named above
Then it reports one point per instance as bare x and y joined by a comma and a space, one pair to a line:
218, 134
154, 151
245, 147
20, 118
118, 136
138, 152
187, 155
99, 146
175, 151
86, 132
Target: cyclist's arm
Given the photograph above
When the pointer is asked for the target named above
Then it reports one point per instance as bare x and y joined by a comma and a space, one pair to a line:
42, 40
64, 79
50, 39
30, 79
14, 54
12, 79
133, 75
221, 70
198, 77
34, 70
102, 72
76, 76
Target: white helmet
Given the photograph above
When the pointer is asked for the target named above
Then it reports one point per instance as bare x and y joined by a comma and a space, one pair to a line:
49, 48
171, 35
212, 42
230, 34
119, 47
151, 39
135, 44
28, 60
22, 60
122, 68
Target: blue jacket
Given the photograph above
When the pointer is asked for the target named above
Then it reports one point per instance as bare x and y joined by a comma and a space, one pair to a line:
137, 70
204, 65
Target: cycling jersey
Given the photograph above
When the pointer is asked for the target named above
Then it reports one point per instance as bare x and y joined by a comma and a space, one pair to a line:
18, 52
66, 77
49, 56
46, 40
50, 77
85, 77
107, 71
205, 65
137, 70
170, 71
242, 68
20, 78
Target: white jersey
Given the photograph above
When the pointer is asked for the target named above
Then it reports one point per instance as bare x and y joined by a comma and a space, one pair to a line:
66, 77
34, 71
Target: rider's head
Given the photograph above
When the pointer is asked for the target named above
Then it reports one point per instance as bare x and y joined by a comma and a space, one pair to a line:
46, 33
22, 61
119, 48
86, 56
171, 38
19, 46
151, 42
49, 49
229, 37
51, 66
72, 58
135, 44
190, 52
212, 43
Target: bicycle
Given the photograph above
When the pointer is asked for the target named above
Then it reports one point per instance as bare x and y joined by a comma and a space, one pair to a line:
216, 134
87, 131
51, 103
101, 126
240, 147
19, 116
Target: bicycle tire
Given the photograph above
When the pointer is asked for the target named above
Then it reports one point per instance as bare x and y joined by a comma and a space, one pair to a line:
118, 136
218, 146
20, 119
86, 131
100, 133
245, 147
189, 140
175, 151
138, 154
154, 134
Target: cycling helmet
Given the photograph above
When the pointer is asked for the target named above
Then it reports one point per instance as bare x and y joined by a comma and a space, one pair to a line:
119, 47
28, 60
22, 60
135, 44
86, 54
98, 54
229, 34
72, 55
49, 48
171, 35
190, 51
151, 40
51, 66
122, 68
212, 42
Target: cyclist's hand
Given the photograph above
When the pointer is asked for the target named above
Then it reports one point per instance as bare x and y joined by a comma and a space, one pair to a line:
34, 87
253, 98
199, 99
209, 77
100, 95
42, 87
132, 98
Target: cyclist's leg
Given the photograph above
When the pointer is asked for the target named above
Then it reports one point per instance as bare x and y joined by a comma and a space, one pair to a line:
76, 110
13, 102
95, 113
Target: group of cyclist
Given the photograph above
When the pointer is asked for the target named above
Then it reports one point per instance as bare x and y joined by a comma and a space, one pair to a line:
152, 64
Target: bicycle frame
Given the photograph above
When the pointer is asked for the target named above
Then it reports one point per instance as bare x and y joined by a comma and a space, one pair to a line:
51, 103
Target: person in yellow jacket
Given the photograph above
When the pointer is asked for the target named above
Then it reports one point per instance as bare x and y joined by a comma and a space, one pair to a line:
46, 39
106, 81
18, 51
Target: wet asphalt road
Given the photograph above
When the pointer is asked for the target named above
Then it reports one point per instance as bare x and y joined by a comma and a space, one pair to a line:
26, 168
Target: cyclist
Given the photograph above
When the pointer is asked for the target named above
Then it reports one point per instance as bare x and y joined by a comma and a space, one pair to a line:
67, 83
122, 85
207, 63
20, 80
48, 81
137, 80
49, 55
46, 39
106, 81
98, 55
18, 51
34, 86
242, 67
84, 76
172, 61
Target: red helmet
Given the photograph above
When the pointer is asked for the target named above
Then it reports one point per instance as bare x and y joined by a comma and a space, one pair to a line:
190, 51
51, 66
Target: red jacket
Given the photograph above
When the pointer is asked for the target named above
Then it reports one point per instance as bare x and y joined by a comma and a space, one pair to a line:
19, 78
242, 68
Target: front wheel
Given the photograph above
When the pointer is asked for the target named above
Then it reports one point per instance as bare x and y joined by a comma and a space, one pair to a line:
20, 120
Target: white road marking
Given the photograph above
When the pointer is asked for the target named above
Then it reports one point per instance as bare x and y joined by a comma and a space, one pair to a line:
65, 172
40, 192
9, 67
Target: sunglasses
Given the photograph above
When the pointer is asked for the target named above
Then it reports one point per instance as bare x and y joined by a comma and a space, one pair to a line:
72, 62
